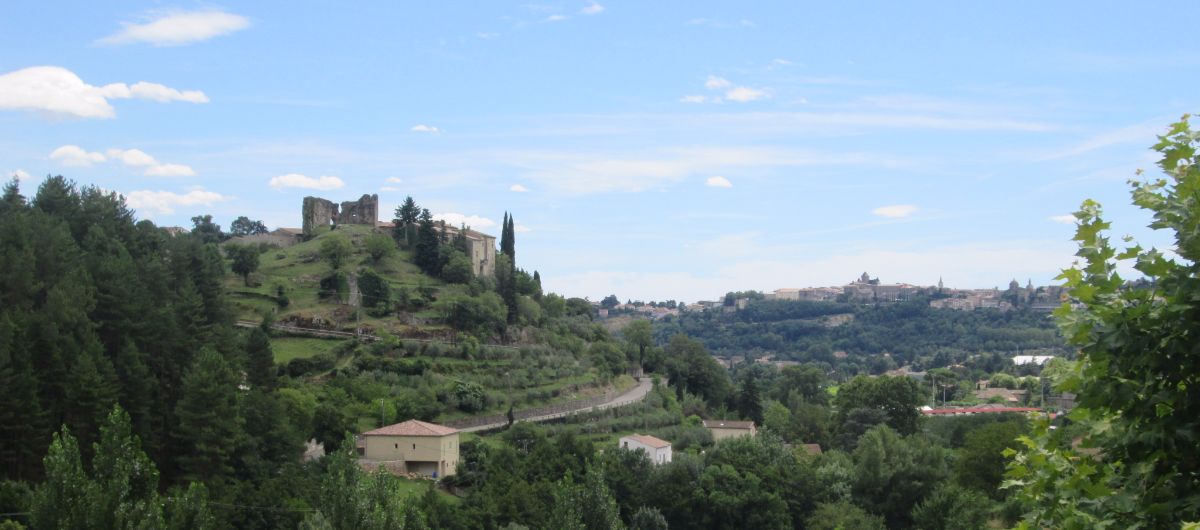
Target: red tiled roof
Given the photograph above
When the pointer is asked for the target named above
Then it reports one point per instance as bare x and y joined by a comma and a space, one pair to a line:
649, 441
975, 410
728, 424
412, 428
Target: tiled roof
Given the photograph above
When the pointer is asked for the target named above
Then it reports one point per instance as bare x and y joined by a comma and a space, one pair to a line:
412, 428
728, 424
649, 441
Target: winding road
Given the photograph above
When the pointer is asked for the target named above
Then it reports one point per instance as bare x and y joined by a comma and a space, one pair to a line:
631, 396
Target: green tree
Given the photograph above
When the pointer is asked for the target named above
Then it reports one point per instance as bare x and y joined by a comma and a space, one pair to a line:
952, 508
244, 260
375, 290
897, 397
260, 360
843, 515
1136, 379
209, 426
335, 249
893, 474
380, 246
206, 231
243, 226
981, 461
647, 518
427, 245
639, 335
457, 268
406, 216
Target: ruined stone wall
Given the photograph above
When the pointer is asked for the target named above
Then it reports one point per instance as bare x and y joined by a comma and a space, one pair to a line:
317, 212
364, 211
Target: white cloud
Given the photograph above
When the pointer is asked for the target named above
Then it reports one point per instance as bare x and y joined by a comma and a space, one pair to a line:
458, 219
695, 98
178, 27
556, 18
781, 62
487, 35
718, 182
132, 157
73, 155
296, 180
58, 91
1064, 219
395, 180
152, 92
592, 9
1142, 134
165, 202
170, 170
716, 83
520, 228
895, 211
389, 188
421, 127
518, 188
20, 174
743, 94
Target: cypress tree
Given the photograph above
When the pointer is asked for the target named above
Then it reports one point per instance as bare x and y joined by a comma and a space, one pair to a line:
427, 244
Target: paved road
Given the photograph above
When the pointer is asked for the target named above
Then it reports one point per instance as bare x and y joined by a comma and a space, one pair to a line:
633, 395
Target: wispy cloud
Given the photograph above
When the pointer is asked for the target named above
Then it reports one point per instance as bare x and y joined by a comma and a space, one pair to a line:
718, 182
895, 211
58, 91
150, 202
518, 188
728, 90
20, 174
175, 28
395, 180
422, 128
555, 18
296, 180
1064, 219
1142, 134
592, 8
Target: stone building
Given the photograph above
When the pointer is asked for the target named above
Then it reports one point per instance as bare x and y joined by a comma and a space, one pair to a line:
415, 446
318, 212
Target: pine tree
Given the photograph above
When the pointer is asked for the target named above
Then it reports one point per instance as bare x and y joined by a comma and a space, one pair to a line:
91, 391
209, 426
136, 392
260, 360
21, 421
427, 244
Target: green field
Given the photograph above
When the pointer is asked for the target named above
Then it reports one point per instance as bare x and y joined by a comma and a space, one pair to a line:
288, 348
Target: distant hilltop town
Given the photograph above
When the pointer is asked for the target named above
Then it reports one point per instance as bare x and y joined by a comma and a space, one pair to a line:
864, 289
868, 289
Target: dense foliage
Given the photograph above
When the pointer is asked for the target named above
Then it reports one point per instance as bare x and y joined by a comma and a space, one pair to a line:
1137, 375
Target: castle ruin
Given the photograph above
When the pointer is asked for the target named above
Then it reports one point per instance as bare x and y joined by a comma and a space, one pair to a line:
318, 212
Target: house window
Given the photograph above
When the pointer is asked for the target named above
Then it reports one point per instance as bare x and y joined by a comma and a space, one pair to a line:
414, 447
397, 446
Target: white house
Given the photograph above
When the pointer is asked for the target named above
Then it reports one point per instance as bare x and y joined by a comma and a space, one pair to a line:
659, 451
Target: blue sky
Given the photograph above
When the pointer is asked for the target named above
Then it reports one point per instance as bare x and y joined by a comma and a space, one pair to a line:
655, 150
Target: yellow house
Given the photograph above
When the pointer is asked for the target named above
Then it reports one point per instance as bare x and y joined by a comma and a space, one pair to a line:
722, 429
425, 448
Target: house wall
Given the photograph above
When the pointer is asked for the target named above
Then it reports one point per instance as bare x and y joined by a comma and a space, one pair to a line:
443, 451
656, 455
